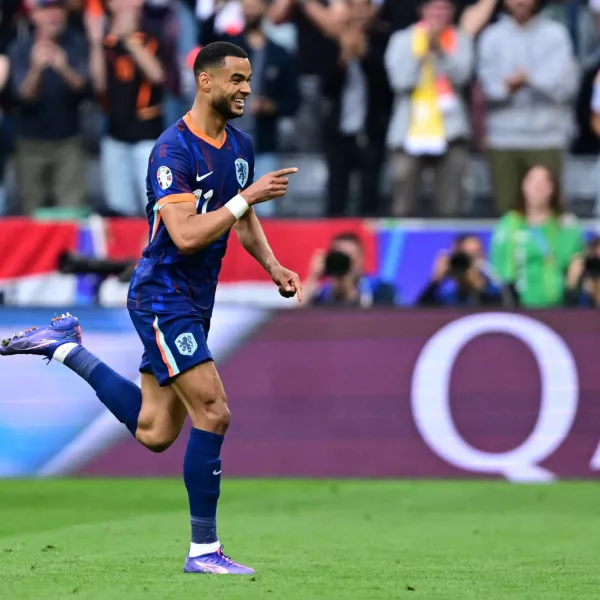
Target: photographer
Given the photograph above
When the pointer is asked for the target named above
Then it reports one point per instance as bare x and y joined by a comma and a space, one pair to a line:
337, 277
583, 278
459, 278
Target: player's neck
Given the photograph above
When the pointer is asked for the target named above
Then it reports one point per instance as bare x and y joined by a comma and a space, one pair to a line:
207, 120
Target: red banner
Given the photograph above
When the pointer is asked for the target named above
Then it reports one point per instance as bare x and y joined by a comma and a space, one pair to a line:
292, 241
32, 248
29, 247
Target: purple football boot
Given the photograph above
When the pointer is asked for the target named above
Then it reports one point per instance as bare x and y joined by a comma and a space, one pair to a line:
216, 563
44, 341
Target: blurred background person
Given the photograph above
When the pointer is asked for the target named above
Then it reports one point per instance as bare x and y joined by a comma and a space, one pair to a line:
228, 19
428, 66
534, 245
318, 23
49, 76
337, 277
4, 73
595, 125
357, 113
578, 18
127, 68
460, 279
529, 77
274, 89
583, 278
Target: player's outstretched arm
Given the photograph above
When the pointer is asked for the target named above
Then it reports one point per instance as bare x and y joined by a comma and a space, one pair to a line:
253, 239
192, 232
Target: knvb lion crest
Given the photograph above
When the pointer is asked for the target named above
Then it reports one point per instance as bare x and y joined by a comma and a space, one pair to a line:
186, 344
241, 171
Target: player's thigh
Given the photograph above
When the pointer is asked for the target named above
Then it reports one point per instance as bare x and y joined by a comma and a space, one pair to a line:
175, 342
162, 415
201, 391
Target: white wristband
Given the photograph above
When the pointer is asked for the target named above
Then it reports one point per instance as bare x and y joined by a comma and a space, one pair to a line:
237, 206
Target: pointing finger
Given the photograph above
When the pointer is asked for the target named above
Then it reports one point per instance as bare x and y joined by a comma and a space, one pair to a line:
283, 172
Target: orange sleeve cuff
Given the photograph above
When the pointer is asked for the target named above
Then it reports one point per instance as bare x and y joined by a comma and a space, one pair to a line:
174, 198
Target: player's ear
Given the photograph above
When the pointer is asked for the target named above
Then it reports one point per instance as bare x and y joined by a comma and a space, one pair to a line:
204, 81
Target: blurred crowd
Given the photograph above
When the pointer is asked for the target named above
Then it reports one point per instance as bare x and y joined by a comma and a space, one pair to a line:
539, 258
406, 88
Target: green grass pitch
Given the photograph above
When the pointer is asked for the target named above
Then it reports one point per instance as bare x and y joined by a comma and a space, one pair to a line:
127, 539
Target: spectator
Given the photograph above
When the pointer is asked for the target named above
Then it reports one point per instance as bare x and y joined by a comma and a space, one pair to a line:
337, 278
274, 89
400, 14
49, 75
595, 125
583, 278
533, 246
579, 21
459, 278
128, 74
529, 77
4, 73
228, 19
358, 116
160, 20
428, 66
318, 23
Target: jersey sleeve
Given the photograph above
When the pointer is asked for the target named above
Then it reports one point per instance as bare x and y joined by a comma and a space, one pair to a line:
170, 175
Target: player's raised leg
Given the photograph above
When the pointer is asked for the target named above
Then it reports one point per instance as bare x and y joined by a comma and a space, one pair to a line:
162, 415
201, 391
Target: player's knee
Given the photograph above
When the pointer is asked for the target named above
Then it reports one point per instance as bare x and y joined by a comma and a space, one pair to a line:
216, 415
155, 441
220, 417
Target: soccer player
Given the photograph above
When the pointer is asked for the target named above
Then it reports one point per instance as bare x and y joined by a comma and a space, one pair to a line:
199, 187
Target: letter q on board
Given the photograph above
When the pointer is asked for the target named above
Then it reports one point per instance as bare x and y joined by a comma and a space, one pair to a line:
559, 389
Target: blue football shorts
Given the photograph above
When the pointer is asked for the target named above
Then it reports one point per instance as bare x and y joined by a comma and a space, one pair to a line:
173, 343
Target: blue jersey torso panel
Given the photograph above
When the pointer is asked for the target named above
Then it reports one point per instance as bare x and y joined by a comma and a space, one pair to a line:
186, 166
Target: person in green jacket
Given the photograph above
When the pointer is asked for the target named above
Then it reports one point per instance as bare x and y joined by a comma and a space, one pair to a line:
533, 246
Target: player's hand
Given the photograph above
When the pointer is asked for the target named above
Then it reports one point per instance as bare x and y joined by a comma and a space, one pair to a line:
287, 282
269, 186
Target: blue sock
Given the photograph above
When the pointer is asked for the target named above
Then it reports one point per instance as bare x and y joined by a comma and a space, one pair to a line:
122, 397
202, 476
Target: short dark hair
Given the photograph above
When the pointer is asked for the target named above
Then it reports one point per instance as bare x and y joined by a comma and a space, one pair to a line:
213, 56
348, 236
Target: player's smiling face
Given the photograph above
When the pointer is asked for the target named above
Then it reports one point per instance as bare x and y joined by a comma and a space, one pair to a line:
231, 87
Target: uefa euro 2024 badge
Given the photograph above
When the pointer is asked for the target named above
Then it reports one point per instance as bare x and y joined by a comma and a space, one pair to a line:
164, 177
